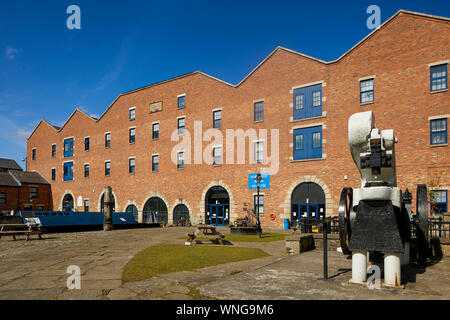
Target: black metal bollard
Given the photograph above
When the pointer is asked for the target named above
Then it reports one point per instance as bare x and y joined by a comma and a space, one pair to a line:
325, 251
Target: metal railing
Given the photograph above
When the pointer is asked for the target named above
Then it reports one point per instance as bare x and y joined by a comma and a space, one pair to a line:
315, 225
438, 227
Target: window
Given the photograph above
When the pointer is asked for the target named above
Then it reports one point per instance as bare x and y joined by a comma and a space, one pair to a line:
316, 140
107, 140
259, 204
132, 113
308, 143
68, 171
131, 165
259, 151
53, 174
53, 150
317, 98
439, 201
180, 160
132, 137
86, 170
366, 91
155, 163
217, 156
181, 102
438, 132
258, 111
438, 77
181, 126
40, 208
2, 198
86, 205
299, 142
299, 101
107, 168
68, 148
33, 192
33, 154
86, 144
217, 119
155, 134
308, 102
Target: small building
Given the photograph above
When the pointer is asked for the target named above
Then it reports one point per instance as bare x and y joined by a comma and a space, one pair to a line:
21, 190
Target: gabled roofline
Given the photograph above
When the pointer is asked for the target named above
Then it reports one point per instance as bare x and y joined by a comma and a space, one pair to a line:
254, 70
15, 179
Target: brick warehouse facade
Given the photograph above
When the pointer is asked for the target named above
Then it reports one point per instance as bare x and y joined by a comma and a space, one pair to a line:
399, 58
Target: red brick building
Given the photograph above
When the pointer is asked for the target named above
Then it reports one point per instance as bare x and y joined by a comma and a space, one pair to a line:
21, 190
399, 72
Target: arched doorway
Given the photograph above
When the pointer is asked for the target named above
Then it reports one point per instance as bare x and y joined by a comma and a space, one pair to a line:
307, 204
155, 211
217, 206
133, 209
102, 203
181, 215
67, 202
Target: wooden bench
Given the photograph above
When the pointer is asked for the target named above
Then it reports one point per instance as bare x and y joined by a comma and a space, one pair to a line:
20, 229
206, 231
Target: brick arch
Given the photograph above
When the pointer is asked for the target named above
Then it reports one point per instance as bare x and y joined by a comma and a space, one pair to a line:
155, 194
181, 201
220, 183
287, 200
62, 198
130, 202
99, 203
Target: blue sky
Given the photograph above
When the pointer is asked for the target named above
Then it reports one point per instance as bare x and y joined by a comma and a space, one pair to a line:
47, 70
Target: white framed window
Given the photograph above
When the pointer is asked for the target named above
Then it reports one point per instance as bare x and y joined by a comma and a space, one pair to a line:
259, 151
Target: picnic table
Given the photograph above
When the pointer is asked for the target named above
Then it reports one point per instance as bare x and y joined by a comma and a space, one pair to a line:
13, 229
206, 230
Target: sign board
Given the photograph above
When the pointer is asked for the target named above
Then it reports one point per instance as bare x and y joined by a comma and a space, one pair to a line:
264, 184
80, 201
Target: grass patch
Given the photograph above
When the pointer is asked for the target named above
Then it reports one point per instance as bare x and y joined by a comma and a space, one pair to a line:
167, 258
265, 237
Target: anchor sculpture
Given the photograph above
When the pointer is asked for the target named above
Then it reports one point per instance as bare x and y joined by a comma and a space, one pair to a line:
375, 220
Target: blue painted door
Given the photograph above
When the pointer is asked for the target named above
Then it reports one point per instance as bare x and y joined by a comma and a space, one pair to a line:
308, 102
217, 214
308, 143
68, 171
68, 148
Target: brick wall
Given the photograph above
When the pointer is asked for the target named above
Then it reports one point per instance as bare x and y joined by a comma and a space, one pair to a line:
398, 55
18, 198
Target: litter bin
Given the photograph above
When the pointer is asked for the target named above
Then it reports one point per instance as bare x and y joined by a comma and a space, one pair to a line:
286, 224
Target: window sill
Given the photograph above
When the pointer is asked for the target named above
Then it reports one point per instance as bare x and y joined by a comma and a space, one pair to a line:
366, 103
439, 91
324, 115
258, 121
439, 145
304, 160
217, 165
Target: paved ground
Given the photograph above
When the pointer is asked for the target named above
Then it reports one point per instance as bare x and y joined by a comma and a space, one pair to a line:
38, 270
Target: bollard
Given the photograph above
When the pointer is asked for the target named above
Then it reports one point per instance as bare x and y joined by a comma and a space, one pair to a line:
325, 251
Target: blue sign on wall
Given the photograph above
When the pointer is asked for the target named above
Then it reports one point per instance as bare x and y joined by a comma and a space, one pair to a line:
264, 184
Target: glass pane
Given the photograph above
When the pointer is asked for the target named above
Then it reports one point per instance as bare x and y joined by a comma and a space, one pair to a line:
316, 98
316, 140
299, 142
367, 96
299, 101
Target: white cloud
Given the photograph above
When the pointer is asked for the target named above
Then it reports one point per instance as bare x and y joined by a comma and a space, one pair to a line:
12, 133
11, 52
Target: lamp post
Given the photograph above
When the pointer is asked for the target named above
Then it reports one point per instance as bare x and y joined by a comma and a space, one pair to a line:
258, 223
